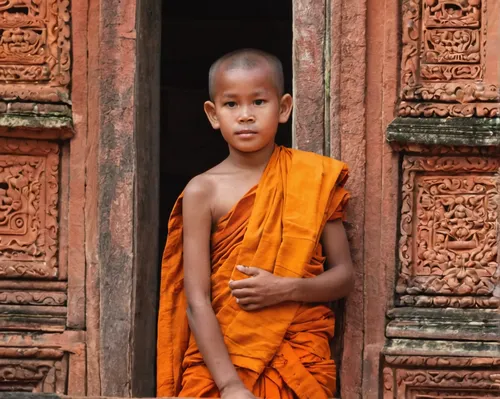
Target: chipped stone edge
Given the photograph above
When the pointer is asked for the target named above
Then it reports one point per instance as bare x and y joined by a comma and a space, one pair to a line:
472, 131
52, 127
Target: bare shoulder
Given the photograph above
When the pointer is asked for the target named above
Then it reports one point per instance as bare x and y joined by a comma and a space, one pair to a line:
200, 188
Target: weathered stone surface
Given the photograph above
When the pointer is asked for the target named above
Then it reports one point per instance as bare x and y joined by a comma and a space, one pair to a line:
55, 127
90, 120
309, 75
124, 212
445, 131
452, 324
381, 184
429, 149
147, 130
345, 83
327, 71
116, 173
442, 348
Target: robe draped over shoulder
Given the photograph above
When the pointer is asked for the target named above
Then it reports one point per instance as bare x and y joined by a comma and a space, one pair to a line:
280, 351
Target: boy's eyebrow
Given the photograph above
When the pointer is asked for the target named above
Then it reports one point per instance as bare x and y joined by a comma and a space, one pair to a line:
258, 92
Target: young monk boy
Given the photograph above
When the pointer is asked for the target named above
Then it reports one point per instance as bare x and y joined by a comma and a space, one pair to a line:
245, 288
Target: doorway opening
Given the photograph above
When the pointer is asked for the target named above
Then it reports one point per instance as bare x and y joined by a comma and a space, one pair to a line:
193, 37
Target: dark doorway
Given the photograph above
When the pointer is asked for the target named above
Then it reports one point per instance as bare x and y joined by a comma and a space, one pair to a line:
193, 36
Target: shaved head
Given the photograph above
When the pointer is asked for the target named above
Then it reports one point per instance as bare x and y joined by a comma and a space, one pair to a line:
247, 59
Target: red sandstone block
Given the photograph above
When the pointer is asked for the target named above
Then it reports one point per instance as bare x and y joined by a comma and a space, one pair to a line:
21, 107
53, 109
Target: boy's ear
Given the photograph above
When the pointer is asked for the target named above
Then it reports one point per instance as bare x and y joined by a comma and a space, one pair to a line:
209, 108
286, 105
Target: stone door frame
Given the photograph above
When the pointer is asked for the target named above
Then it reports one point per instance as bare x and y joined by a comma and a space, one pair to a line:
123, 162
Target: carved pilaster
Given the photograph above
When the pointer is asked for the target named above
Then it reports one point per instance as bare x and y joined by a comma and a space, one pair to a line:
35, 58
32, 295
35, 69
443, 332
448, 243
449, 64
29, 190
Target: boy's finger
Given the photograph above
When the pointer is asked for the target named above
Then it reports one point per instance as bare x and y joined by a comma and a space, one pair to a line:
234, 285
242, 293
245, 301
248, 270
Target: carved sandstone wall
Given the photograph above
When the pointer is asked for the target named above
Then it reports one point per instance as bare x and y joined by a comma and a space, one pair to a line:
42, 342
443, 321
75, 236
448, 66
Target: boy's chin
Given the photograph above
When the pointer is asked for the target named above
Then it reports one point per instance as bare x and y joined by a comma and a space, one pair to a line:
249, 146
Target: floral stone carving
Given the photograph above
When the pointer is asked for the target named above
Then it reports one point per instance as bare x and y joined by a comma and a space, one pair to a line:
449, 61
448, 243
419, 377
33, 370
28, 209
35, 58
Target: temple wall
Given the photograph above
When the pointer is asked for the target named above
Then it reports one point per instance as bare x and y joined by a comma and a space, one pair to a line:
42, 266
405, 92
439, 165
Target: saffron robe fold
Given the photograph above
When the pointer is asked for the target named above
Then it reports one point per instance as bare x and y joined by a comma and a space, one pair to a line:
281, 351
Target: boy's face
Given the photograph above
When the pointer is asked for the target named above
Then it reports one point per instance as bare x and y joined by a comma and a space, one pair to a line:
247, 107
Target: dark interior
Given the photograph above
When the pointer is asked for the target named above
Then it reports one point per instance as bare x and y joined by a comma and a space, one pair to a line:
194, 35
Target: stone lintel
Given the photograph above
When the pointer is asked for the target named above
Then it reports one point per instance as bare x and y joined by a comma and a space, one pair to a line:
37, 127
448, 324
433, 347
462, 315
471, 131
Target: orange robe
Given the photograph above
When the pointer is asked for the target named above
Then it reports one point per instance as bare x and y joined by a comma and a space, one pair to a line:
281, 351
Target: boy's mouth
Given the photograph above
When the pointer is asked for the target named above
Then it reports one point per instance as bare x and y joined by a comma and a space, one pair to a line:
246, 132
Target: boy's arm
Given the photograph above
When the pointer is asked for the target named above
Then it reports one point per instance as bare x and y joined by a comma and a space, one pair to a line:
197, 222
338, 278
266, 289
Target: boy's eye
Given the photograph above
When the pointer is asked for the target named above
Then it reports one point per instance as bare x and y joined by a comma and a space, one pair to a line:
230, 104
259, 102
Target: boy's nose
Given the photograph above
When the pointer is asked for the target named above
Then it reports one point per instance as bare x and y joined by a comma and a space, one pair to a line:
246, 115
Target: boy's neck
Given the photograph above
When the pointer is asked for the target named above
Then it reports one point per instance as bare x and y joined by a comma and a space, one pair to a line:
251, 160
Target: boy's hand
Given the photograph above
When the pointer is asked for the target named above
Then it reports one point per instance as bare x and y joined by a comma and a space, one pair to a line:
236, 391
261, 290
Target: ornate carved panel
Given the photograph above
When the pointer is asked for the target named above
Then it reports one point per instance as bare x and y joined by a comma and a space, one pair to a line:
449, 63
35, 50
31, 297
448, 243
29, 189
46, 373
420, 377
38, 363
